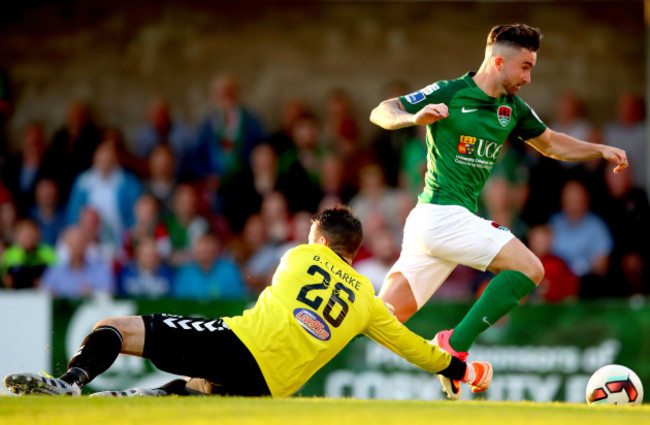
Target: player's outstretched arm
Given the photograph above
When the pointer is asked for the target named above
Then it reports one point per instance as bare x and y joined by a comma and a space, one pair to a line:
563, 147
391, 115
385, 329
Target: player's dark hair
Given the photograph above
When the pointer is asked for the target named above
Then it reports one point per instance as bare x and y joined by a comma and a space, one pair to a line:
516, 35
341, 228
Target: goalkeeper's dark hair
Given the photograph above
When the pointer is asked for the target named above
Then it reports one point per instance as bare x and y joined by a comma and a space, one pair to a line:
516, 35
341, 228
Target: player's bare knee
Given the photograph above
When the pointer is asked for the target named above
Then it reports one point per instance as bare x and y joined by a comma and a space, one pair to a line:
113, 322
399, 307
397, 294
535, 270
405, 312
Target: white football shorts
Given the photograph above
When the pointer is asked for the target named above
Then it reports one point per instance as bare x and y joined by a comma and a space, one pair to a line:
439, 237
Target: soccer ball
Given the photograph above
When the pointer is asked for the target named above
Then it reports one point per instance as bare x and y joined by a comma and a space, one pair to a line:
614, 384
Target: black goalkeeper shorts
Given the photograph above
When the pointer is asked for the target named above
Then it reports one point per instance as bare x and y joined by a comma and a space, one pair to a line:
203, 348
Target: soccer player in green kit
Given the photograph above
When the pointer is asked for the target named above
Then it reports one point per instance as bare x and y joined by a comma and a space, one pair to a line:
468, 120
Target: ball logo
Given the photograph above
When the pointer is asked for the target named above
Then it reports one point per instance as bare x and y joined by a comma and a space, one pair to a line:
615, 385
312, 323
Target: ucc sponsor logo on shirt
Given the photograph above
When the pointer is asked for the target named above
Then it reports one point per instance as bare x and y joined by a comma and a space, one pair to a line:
483, 148
312, 323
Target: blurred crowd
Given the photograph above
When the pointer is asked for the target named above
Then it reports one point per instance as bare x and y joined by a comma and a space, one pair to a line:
206, 211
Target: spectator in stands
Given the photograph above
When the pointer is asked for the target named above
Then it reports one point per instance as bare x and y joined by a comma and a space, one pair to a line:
264, 256
282, 138
375, 197
627, 214
275, 213
127, 160
249, 241
109, 189
78, 276
21, 172
389, 146
5, 194
274, 231
546, 176
210, 275
146, 276
72, 148
8, 217
629, 132
23, 263
384, 252
341, 127
227, 135
341, 133
333, 184
6, 110
259, 268
502, 206
559, 283
161, 130
264, 167
100, 245
162, 181
582, 239
513, 169
185, 224
413, 161
242, 196
331, 178
147, 225
46, 212
299, 232
299, 166
569, 117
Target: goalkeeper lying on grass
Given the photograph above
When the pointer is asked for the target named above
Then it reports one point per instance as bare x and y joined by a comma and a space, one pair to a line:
315, 306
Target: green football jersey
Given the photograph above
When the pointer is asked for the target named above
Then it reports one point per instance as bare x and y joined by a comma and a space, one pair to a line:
462, 148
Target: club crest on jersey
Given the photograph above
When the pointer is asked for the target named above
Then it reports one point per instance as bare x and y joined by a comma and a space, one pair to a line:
466, 145
312, 323
503, 115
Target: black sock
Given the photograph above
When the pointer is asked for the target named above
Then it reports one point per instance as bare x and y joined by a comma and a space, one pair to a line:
97, 353
455, 370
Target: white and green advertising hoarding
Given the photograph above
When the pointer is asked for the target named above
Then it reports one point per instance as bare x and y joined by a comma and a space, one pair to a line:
540, 352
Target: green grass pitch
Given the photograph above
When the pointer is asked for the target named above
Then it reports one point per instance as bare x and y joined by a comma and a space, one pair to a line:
217, 410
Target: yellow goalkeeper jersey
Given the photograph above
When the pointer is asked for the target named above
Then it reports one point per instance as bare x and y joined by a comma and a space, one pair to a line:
316, 304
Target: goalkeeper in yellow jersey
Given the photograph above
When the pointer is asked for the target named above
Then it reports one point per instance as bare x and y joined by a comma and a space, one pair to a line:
316, 304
